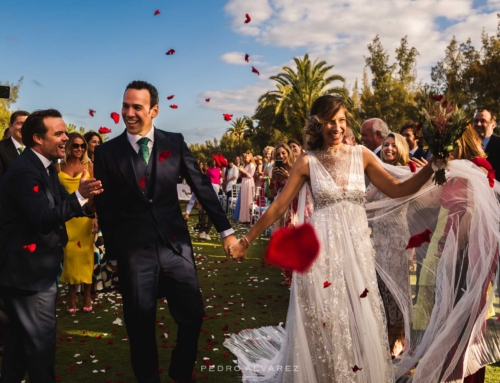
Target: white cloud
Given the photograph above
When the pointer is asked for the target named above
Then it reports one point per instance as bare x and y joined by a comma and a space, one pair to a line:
339, 32
238, 58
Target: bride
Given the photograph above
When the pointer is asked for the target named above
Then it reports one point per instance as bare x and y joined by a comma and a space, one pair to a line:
335, 326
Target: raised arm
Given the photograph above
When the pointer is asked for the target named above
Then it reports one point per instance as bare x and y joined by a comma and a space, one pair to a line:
387, 184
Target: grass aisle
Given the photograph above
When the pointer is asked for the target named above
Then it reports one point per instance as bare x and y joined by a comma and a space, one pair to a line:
93, 347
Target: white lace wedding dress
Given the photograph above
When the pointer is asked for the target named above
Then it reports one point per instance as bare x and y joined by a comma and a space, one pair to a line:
332, 333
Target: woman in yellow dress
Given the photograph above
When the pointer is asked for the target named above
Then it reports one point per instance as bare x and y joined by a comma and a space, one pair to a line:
79, 252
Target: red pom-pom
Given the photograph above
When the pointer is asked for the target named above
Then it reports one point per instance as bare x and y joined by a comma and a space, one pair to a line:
294, 248
418, 240
413, 166
223, 161
217, 160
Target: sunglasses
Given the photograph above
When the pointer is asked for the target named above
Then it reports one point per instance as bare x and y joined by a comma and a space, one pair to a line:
76, 146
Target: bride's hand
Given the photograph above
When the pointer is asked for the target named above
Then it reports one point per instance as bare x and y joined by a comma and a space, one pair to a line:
239, 250
420, 163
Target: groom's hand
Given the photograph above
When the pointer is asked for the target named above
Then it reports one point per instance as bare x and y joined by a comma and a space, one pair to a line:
227, 242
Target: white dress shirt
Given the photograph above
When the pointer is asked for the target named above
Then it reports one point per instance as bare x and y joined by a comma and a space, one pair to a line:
133, 138
232, 173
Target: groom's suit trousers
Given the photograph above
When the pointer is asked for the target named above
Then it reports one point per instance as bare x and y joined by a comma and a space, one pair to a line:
173, 276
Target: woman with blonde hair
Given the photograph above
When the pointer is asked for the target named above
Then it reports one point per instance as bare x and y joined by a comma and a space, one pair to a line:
78, 264
247, 185
395, 150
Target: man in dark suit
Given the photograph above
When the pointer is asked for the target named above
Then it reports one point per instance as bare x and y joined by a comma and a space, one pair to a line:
144, 229
373, 132
412, 135
484, 123
34, 207
13, 146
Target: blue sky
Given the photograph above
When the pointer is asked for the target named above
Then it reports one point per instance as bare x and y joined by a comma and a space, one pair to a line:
77, 56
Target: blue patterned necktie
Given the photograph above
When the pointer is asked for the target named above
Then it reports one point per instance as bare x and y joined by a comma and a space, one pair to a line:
144, 149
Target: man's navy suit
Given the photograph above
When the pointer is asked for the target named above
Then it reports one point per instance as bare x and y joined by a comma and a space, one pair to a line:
144, 230
33, 210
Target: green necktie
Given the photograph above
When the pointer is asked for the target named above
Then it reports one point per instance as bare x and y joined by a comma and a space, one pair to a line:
21, 149
143, 149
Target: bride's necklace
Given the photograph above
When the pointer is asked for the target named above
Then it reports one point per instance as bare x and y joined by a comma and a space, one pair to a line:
335, 150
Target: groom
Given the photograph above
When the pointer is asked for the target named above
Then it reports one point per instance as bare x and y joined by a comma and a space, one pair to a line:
146, 234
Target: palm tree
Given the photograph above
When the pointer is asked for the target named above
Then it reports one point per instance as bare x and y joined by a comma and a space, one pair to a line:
238, 129
290, 103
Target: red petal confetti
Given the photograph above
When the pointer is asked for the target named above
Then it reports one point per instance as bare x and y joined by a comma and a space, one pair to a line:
170, 97
356, 368
91, 112
225, 328
170, 52
31, 248
293, 248
108, 367
72, 368
227, 117
164, 155
418, 240
142, 182
115, 117
437, 98
247, 18
58, 379
110, 341
324, 324
326, 284
174, 106
247, 56
255, 71
35, 188
484, 163
364, 293
207, 100
79, 245
104, 130
157, 12
413, 166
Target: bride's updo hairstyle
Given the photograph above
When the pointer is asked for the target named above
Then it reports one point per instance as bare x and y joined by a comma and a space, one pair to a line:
324, 108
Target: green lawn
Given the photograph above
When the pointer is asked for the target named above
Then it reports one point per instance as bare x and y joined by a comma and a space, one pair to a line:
93, 347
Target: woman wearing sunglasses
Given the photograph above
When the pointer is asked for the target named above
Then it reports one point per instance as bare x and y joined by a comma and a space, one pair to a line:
79, 252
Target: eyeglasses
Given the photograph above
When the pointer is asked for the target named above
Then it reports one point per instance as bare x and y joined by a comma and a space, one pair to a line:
76, 146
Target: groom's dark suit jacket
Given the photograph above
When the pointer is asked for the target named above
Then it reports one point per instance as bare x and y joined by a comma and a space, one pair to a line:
33, 210
132, 218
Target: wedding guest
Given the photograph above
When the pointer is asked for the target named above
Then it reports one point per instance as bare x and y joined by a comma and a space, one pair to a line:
484, 122
247, 185
231, 176
349, 138
259, 173
296, 147
202, 167
373, 132
267, 166
239, 165
395, 150
78, 264
92, 139
390, 250
453, 217
411, 132
13, 146
213, 173
284, 160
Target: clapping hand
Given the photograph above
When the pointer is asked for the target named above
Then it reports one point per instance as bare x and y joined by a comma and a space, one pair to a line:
89, 188
420, 163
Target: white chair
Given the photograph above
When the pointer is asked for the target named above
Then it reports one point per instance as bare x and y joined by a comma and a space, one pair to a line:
234, 197
259, 204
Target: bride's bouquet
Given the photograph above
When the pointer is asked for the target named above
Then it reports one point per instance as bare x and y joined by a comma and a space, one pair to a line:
443, 124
